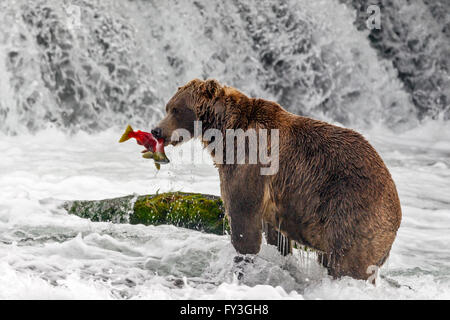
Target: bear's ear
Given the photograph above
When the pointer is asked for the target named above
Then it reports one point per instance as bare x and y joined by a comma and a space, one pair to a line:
219, 109
211, 88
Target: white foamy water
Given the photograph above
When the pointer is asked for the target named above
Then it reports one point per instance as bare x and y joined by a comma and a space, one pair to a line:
47, 254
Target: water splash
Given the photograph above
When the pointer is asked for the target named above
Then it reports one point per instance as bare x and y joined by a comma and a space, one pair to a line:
79, 77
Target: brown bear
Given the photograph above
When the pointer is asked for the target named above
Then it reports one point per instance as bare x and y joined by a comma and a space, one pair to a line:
332, 191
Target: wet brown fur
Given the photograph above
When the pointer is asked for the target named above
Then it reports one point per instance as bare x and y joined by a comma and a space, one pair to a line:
332, 192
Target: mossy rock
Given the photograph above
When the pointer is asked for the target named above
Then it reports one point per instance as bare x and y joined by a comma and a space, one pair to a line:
189, 210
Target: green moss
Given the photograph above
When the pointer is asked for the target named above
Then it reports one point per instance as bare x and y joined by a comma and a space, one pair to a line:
188, 210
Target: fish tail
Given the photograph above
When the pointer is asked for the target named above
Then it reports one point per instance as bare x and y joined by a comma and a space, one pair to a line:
126, 134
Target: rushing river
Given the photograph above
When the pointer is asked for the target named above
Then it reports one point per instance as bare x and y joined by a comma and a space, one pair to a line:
45, 253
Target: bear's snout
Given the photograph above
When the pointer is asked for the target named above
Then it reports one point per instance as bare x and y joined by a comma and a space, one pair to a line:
157, 133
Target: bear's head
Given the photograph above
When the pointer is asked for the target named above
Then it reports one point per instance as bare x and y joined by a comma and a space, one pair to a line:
197, 100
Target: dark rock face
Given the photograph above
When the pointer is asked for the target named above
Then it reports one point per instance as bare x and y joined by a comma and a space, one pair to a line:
312, 62
415, 36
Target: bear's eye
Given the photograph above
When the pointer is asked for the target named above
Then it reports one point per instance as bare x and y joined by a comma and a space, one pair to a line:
174, 110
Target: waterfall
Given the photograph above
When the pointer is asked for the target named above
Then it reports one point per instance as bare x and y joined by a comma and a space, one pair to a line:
91, 64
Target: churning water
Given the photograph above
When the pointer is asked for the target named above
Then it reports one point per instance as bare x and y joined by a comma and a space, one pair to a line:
70, 82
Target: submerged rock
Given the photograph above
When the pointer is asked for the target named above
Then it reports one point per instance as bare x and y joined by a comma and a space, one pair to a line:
188, 210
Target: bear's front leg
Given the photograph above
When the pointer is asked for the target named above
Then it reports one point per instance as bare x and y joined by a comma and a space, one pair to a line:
242, 191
